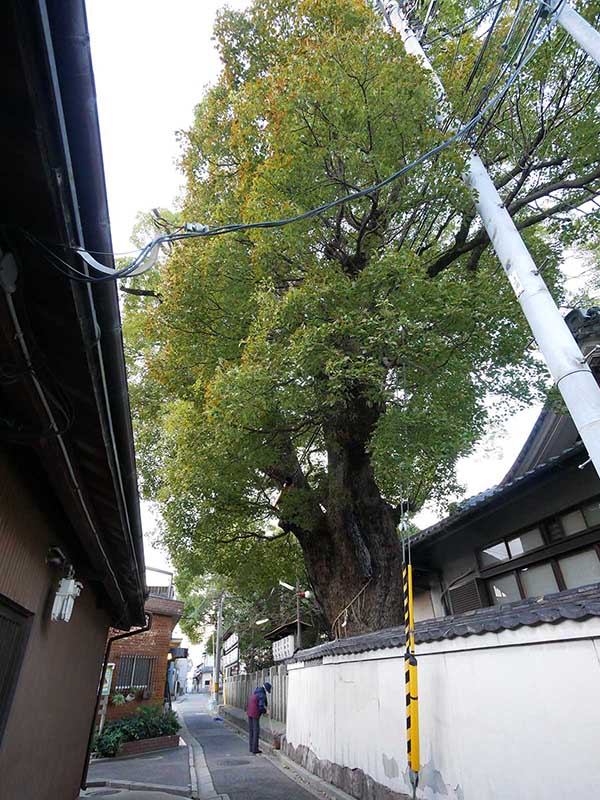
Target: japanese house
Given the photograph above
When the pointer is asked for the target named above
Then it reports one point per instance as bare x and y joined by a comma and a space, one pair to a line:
535, 534
71, 556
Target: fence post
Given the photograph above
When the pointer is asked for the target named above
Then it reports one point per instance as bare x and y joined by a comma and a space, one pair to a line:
239, 688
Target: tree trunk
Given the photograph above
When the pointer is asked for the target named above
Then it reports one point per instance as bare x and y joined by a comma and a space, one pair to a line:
354, 561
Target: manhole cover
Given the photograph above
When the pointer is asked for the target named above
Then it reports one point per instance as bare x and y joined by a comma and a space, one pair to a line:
233, 762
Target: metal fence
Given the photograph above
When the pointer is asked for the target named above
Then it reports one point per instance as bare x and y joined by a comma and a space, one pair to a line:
134, 672
238, 689
162, 591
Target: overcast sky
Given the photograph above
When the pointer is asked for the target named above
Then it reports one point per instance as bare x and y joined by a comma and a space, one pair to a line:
152, 60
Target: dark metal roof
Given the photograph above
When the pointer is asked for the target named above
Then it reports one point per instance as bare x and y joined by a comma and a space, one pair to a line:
573, 604
53, 180
499, 492
286, 629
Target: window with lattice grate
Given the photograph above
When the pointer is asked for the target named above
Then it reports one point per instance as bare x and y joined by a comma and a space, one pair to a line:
134, 672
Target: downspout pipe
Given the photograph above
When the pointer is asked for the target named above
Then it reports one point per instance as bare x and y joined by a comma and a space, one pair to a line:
109, 644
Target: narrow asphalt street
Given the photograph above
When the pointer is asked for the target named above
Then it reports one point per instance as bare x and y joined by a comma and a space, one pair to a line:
234, 771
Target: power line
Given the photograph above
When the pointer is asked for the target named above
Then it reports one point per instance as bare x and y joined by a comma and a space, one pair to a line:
460, 29
196, 230
471, 86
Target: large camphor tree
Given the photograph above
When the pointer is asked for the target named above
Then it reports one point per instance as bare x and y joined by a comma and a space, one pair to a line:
293, 386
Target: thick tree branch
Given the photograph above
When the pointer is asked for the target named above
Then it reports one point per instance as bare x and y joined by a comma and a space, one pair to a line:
142, 293
546, 190
252, 535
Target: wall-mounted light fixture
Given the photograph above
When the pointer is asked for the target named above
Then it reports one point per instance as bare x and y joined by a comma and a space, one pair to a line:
68, 588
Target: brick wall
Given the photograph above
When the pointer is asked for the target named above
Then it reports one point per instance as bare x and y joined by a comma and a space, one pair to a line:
153, 643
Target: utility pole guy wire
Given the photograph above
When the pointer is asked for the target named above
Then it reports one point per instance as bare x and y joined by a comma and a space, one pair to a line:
565, 360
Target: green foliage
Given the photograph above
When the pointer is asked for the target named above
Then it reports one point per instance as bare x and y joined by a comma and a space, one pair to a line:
264, 349
147, 723
242, 608
109, 742
118, 699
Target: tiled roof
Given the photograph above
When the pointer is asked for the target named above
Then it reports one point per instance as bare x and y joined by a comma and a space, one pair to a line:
480, 500
574, 604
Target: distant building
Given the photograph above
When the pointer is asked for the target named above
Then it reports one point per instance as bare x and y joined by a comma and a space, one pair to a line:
179, 655
71, 550
141, 661
204, 673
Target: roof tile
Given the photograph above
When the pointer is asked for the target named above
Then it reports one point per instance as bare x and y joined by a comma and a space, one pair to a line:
573, 604
481, 499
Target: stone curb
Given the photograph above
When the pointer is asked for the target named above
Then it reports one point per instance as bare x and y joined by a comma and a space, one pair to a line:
307, 780
201, 779
240, 722
179, 791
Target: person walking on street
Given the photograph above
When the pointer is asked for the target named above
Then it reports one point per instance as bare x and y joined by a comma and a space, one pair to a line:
257, 706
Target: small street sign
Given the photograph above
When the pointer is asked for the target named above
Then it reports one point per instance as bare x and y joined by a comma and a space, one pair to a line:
108, 676
231, 651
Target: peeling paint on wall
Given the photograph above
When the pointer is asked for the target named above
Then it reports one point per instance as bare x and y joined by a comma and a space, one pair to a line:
431, 778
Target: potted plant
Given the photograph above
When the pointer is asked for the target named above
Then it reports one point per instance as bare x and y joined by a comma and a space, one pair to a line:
117, 699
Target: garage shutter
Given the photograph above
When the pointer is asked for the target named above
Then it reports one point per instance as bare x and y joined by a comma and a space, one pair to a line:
468, 597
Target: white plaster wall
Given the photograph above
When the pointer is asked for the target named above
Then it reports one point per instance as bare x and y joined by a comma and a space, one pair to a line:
509, 722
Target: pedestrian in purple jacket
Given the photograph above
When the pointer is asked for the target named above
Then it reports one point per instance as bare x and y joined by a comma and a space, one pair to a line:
257, 706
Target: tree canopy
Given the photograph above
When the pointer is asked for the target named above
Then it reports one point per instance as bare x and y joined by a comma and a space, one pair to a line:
292, 386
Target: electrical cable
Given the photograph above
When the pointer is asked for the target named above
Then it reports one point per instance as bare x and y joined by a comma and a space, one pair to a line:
514, 59
463, 25
194, 230
509, 60
480, 56
431, 212
521, 48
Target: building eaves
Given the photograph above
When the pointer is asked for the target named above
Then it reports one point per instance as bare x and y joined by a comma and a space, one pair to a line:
69, 52
494, 494
573, 604
286, 629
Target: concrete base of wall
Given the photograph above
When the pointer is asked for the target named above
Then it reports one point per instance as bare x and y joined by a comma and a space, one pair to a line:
352, 781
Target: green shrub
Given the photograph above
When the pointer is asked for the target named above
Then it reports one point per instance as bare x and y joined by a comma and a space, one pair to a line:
148, 722
107, 743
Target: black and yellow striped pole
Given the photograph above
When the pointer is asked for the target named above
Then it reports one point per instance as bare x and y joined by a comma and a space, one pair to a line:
410, 671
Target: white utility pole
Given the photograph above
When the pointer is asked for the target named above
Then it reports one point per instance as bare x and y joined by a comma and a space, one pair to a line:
565, 360
586, 36
298, 622
218, 645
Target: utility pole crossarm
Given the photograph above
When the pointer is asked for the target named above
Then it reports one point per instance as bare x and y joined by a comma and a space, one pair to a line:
565, 360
